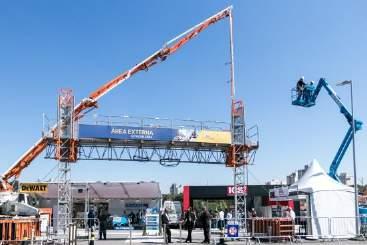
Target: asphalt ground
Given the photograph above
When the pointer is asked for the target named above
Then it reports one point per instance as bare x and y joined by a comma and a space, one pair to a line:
122, 237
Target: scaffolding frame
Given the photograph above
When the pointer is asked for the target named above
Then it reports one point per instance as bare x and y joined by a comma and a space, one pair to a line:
65, 154
165, 153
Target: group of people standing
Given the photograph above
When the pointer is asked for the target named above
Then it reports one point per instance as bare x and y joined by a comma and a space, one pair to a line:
304, 91
135, 218
103, 217
190, 221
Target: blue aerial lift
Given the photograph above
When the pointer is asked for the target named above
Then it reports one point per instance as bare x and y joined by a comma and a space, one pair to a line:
305, 95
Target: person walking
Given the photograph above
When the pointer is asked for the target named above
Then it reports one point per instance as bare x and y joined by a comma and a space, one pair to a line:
103, 221
165, 225
189, 220
90, 221
205, 220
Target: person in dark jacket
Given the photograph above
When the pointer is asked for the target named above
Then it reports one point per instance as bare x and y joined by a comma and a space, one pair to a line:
205, 220
189, 220
165, 223
300, 88
103, 221
91, 218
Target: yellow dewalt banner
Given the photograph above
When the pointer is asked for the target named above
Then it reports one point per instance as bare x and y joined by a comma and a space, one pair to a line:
212, 136
33, 187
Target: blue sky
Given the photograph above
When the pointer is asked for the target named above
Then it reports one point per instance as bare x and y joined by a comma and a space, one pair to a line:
48, 45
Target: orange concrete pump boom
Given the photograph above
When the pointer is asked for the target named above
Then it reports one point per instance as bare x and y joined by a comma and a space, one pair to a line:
91, 102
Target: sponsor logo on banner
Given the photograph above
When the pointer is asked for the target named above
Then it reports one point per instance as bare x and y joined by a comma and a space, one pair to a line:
150, 133
33, 187
241, 190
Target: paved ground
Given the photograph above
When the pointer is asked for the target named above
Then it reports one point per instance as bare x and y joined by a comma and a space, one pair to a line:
122, 237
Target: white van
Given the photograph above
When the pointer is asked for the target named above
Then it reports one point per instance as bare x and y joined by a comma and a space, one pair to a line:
174, 209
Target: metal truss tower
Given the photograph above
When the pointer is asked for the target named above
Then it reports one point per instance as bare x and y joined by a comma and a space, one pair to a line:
65, 153
236, 156
240, 157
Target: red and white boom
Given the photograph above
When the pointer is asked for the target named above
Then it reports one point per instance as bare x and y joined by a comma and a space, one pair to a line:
90, 102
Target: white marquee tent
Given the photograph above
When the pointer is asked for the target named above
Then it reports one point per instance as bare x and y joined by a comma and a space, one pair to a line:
331, 203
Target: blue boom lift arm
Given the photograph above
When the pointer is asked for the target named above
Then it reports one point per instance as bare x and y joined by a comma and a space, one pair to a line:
307, 98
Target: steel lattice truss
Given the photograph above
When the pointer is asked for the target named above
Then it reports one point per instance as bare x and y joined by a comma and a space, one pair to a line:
165, 154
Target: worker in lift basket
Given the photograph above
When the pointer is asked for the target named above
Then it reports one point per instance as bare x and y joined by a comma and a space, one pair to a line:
300, 88
309, 88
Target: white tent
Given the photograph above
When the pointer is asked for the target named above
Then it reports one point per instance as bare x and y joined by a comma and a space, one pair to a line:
331, 203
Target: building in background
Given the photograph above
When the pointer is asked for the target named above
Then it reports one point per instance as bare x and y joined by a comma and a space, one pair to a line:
217, 198
275, 182
117, 198
173, 190
295, 176
292, 178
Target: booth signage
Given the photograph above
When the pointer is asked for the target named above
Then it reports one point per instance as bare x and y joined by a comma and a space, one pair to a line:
152, 224
232, 230
33, 187
279, 194
241, 190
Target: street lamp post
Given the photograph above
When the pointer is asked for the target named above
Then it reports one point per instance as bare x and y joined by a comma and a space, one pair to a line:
349, 82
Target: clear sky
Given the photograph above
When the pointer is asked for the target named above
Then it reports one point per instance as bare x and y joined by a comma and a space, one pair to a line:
47, 45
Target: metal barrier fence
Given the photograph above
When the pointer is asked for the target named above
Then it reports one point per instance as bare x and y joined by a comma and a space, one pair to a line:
82, 229
249, 230
287, 229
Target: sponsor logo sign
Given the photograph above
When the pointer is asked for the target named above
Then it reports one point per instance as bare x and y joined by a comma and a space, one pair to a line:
232, 230
241, 190
33, 187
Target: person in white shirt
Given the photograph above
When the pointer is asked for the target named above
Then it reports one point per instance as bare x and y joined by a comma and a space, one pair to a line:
290, 213
221, 220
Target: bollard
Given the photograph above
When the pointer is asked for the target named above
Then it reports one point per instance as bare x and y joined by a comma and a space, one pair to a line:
88, 234
48, 236
269, 231
221, 239
164, 233
32, 236
329, 226
180, 226
91, 237
72, 234
130, 232
210, 230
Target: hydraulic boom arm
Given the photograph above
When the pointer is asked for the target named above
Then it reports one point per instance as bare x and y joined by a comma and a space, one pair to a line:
308, 99
90, 102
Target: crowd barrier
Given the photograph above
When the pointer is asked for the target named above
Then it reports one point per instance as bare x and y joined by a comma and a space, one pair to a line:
78, 229
18, 229
287, 229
